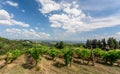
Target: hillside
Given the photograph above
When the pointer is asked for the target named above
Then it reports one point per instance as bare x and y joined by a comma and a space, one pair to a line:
20, 52
8, 45
48, 67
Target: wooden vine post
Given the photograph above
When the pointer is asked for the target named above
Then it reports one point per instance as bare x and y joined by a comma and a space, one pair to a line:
92, 57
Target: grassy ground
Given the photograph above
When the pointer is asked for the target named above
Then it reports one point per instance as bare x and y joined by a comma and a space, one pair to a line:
49, 67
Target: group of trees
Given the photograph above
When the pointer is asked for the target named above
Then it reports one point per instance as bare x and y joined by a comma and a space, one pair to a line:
111, 43
59, 45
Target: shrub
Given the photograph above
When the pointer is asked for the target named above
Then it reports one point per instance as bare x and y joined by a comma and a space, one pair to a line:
68, 56
83, 53
118, 53
110, 56
12, 55
15, 53
35, 53
98, 53
53, 53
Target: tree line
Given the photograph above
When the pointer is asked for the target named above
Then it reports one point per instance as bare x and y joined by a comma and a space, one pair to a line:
104, 44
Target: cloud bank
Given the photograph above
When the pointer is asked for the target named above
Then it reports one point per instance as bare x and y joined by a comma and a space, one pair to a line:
72, 19
7, 19
26, 33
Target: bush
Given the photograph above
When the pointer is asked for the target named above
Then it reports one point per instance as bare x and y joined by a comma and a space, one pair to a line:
110, 56
53, 53
15, 53
68, 56
35, 53
12, 55
83, 53
118, 53
98, 53
43, 50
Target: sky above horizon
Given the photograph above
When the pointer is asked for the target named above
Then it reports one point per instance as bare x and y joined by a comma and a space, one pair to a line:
77, 20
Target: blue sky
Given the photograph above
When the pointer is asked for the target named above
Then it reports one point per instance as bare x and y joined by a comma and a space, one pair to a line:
59, 19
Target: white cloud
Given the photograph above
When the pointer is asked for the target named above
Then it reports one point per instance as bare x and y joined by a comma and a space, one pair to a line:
13, 30
4, 15
26, 33
65, 21
118, 33
76, 24
7, 19
12, 3
72, 11
43, 35
61, 35
103, 22
71, 18
71, 8
48, 5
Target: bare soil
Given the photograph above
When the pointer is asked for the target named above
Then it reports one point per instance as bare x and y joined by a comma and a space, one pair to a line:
48, 66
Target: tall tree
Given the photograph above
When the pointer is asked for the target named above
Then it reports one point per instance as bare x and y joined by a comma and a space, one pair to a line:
111, 43
88, 44
60, 45
103, 43
99, 44
94, 43
57, 44
119, 44
116, 43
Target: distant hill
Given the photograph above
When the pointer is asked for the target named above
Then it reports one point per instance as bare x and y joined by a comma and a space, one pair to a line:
7, 44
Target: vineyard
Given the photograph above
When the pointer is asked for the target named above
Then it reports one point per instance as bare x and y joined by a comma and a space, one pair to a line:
69, 56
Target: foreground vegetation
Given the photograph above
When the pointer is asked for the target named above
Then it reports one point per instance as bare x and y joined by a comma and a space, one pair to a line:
35, 52
49, 67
